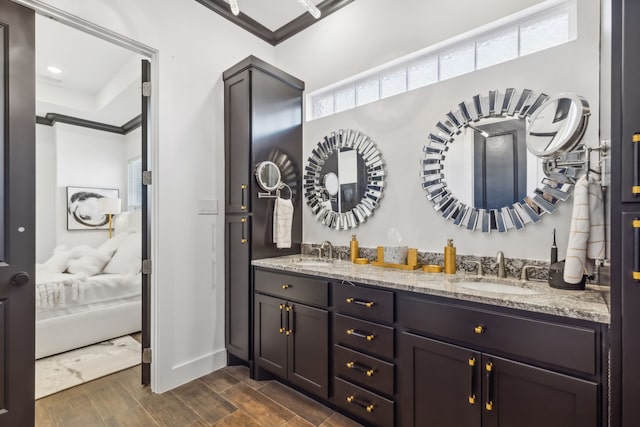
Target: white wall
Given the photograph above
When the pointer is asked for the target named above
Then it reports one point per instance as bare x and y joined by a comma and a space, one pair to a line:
85, 158
195, 46
368, 33
46, 206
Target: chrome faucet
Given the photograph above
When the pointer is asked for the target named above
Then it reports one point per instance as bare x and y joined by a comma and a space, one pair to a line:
479, 270
500, 261
524, 275
326, 242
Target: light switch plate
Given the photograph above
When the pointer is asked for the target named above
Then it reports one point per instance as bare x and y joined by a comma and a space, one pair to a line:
208, 207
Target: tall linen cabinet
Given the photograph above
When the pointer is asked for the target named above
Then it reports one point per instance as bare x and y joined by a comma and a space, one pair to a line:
263, 121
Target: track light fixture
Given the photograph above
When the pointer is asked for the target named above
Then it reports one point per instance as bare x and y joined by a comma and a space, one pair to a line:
307, 4
234, 7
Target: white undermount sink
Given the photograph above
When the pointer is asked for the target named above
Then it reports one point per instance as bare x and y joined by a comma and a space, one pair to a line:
496, 288
307, 262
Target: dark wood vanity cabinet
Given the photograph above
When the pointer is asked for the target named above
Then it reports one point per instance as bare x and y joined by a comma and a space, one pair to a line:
450, 374
291, 335
364, 353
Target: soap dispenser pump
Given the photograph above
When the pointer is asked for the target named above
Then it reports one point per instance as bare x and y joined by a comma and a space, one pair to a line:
450, 258
353, 248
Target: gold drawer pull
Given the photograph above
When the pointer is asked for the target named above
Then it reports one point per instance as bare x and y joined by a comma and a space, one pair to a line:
368, 337
285, 286
367, 304
479, 329
361, 368
368, 406
243, 205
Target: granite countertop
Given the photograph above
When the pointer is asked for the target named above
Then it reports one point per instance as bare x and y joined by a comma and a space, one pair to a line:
591, 304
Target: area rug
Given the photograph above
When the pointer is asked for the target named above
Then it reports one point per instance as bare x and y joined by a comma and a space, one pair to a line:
66, 370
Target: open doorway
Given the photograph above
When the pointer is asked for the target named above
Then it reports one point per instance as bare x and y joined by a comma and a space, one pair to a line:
92, 212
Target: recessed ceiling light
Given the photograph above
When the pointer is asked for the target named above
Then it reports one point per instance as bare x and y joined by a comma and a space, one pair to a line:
54, 70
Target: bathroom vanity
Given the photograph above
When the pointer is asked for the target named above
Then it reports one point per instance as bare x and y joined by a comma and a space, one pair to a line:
413, 349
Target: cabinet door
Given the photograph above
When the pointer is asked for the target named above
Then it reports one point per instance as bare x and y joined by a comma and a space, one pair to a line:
237, 286
237, 142
521, 395
439, 384
309, 348
271, 330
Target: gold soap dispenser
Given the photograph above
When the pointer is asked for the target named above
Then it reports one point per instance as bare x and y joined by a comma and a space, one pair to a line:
449, 258
353, 248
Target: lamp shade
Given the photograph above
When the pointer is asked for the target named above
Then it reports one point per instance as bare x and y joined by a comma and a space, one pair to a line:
108, 205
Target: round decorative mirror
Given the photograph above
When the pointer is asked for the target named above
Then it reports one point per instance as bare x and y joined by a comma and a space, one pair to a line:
268, 175
344, 179
489, 178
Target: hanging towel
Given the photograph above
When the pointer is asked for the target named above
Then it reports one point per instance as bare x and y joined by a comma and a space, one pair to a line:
587, 233
282, 220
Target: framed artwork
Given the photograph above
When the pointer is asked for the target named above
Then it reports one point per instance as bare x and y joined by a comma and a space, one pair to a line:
83, 211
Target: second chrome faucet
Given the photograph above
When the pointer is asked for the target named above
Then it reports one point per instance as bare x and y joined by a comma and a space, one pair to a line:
502, 273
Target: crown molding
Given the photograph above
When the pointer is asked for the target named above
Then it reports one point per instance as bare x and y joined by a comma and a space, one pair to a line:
290, 29
52, 118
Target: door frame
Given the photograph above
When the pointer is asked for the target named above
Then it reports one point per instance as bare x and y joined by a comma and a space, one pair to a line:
152, 55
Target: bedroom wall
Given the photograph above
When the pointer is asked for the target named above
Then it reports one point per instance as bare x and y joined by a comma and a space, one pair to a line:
45, 192
85, 158
188, 298
350, 42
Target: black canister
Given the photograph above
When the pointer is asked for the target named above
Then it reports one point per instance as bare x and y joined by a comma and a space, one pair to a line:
556, 278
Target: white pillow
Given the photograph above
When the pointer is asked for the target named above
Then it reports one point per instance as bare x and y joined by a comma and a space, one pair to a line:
90, 262
114, 243
59, 260
128, 257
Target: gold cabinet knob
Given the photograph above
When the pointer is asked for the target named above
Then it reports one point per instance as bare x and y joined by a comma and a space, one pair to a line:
285, 286
370, 337
370, 408
370, 372
281, 330
472, 399
479, 329
350, 398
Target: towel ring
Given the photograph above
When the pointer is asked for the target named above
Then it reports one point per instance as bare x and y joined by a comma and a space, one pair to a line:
283, 185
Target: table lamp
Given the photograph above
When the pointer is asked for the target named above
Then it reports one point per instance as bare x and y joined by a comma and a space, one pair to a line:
109, 206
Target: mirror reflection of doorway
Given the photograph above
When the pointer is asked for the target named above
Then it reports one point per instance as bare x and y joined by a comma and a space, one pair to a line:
500, 164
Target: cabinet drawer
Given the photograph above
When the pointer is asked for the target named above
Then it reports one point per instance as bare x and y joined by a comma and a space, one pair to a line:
374, 409
293, 288
364, 370
364, 303
566, 346
369, 337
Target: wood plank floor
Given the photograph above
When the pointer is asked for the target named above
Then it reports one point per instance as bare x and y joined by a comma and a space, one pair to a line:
226, 398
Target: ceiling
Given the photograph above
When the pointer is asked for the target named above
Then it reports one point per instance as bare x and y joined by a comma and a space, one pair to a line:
273, 14
273, 20
99, 80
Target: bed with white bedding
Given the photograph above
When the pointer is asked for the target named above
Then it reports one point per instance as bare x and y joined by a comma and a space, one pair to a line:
88, 295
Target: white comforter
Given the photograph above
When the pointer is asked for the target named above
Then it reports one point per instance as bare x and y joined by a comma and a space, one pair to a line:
65, 289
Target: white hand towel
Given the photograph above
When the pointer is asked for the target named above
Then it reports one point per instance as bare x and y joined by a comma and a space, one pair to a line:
586, 236
282, 221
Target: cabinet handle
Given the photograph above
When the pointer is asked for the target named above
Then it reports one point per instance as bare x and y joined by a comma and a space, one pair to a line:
290, 319
488, 404
472, 395
367, 304
479, 329
243, 237
285, 286
636, 249
281, 330
368, 337
243, 205
361, 368
635, 185
368, 406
